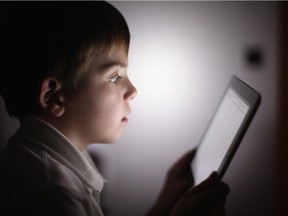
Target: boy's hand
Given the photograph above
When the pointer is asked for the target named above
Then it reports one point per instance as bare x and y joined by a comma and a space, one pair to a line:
179, 179
206, 199
178, 199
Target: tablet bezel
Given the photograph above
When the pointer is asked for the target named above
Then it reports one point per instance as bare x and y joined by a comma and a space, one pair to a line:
253, 98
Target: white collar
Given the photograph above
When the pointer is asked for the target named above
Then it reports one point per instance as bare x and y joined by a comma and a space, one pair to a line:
44, 134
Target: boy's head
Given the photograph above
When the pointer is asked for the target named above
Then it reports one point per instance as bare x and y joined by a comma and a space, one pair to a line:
53, 39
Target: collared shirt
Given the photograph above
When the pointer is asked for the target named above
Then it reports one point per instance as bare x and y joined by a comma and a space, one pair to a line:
43, 173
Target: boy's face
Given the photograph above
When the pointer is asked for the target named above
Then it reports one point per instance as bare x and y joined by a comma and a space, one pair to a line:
97, 112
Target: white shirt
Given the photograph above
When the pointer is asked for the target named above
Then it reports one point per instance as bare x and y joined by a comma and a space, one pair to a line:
43, 173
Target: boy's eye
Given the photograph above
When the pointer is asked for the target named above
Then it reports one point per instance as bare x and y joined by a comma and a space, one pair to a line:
115, 79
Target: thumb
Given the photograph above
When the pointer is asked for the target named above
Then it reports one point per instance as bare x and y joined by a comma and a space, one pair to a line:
212, 179
187, 158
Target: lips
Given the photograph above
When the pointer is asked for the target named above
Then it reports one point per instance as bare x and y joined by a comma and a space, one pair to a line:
124, 120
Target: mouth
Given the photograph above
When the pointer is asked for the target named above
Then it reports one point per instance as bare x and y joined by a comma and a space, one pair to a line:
124, 120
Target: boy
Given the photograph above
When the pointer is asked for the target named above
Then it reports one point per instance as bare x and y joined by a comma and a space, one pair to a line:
67, 84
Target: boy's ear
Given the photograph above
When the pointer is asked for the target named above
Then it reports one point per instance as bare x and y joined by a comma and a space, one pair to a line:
51, 96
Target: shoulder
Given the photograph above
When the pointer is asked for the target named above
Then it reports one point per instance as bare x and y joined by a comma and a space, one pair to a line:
33, 181
34, 167
21, 164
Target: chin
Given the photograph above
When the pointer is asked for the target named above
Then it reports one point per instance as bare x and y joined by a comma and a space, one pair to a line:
111, 139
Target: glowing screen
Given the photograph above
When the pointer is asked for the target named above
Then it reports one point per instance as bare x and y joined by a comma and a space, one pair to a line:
219, 135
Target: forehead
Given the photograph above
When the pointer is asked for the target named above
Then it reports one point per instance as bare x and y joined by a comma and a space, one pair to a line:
113, 58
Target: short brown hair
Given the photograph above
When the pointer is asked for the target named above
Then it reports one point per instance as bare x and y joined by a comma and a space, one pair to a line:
41, 39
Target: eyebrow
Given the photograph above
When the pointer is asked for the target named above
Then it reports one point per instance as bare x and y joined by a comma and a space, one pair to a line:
113, 64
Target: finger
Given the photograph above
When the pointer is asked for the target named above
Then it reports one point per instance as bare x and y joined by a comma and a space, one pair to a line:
208, 182
187, 158
182, 167
212, 195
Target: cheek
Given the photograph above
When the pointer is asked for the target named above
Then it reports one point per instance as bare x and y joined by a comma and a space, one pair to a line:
106, 106
98, 103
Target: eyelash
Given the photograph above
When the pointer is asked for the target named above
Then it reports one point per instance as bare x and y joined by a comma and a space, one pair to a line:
115, 79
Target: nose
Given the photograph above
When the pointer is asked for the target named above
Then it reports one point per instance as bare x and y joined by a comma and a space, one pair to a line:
131, 92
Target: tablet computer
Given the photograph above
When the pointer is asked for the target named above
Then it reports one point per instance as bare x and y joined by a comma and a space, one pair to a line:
226, 129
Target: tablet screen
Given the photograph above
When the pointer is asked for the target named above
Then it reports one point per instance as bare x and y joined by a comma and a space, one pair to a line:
223, 135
